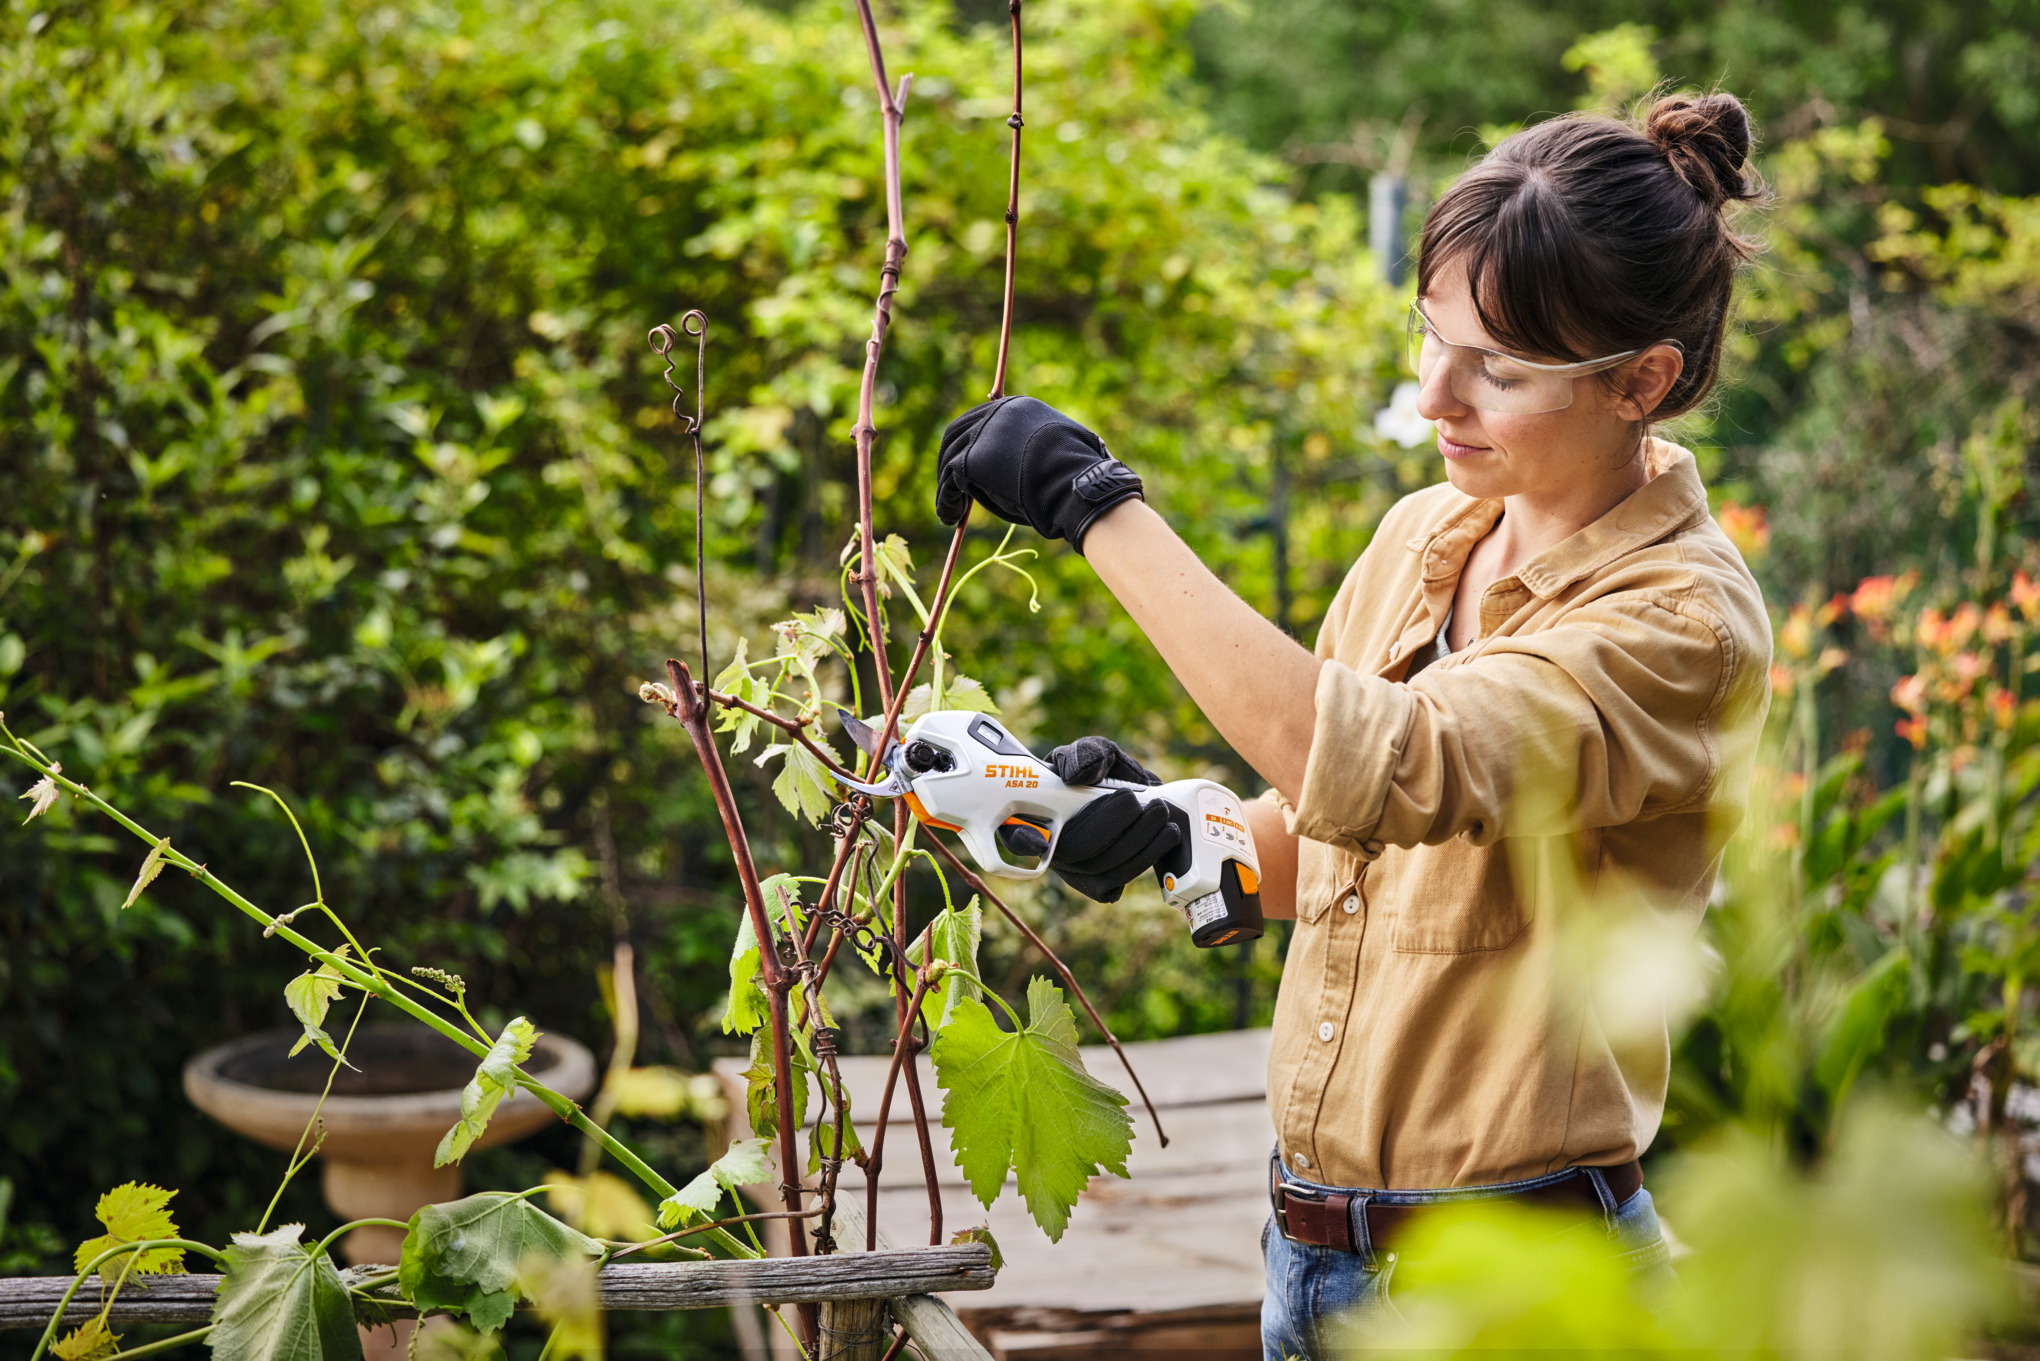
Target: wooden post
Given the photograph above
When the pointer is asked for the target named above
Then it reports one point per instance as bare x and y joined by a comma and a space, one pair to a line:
855, 1330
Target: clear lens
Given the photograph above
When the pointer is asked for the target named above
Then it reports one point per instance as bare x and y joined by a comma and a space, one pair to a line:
1489, 380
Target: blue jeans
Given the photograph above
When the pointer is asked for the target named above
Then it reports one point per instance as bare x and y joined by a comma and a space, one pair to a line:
1307, 1285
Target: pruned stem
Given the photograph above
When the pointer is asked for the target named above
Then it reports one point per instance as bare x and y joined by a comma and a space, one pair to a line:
978, 885
892, 108
691, 709
902, 1043
796, 728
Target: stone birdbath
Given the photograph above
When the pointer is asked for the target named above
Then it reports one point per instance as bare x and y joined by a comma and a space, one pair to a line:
383, 1122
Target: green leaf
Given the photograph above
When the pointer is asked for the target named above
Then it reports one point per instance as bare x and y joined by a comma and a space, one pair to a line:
308, 996
952, 936
822, 1140
736, 679
494, 1080
282, 1301
132, 1212
958, 692
1023, 1103
465, 1255
152, 865
982, 1234
761, 1098
746, 1009
748, 1162
91, 1340
803, 784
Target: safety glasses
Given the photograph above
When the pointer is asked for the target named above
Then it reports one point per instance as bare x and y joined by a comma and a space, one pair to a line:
1489, 380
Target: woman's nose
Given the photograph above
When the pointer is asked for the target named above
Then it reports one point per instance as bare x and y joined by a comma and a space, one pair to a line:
1435, 398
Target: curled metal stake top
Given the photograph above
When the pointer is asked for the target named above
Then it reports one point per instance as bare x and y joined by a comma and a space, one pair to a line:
663, 339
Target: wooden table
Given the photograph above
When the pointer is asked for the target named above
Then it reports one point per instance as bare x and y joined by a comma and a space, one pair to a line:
1168, 1260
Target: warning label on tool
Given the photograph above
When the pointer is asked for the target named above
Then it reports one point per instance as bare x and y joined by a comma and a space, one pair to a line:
1223, 821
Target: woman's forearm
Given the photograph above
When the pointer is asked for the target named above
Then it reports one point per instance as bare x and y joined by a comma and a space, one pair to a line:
1276, 850
1256, 684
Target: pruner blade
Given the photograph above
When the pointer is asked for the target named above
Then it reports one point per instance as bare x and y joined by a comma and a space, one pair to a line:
860, 732
866, 737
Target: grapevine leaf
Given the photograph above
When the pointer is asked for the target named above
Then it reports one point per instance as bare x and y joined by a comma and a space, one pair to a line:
736, 679
782, 899
952, 936
761, 1098
747, 1163
89, 1341
42, 795
282, 1301
746, 1009
958, 692
895, 562
982, 1234
822, 1143
601, 1204
465, 1255
566, 1294
803, 781
152, 865
1023, 1102
661, 1092
132, 1213
494, 1080
308, 996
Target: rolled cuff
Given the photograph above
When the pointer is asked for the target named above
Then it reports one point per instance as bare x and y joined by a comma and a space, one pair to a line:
1362, 722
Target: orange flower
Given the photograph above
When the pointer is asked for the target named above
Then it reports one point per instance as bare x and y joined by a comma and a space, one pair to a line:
1913, 730
1796, 637
1747, 528
2026, 595
1829, 659
2003, 711
1874, 598
1997, 624
1781, 681
1910, 694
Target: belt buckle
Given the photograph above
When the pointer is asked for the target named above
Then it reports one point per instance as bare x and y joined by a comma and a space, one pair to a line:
1283, 1190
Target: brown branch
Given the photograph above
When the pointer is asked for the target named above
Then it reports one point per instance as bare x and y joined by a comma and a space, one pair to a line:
793, 727
1016, 122
978, 885
690, 706
902, 1043
891, 110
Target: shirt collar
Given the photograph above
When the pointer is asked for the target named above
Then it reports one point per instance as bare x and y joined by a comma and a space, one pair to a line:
1672, 500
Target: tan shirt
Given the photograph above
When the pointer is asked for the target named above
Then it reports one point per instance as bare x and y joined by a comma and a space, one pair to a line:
1491, 851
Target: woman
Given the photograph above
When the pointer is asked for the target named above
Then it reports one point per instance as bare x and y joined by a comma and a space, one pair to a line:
1537, 694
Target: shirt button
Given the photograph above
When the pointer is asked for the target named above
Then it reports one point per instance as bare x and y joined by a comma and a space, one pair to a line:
1300, 1160
1324, 1030
1352, 903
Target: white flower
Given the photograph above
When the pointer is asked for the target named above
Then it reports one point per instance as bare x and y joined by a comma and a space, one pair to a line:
44, 793
1399, 420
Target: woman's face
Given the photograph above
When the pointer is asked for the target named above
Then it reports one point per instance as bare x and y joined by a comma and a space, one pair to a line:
1561, 455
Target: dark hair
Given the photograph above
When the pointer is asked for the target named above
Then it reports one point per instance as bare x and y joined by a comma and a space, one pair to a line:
1587, 235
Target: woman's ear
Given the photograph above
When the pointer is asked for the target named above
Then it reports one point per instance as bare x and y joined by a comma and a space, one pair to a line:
1651, 376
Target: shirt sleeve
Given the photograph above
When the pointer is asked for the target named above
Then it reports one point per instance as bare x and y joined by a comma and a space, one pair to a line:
1609, 717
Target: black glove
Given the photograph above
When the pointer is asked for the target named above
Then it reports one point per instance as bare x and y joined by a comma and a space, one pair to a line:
1114, 839
1029, 463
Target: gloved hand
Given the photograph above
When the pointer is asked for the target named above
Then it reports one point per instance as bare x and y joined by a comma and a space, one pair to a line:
1114, 840
1029, 463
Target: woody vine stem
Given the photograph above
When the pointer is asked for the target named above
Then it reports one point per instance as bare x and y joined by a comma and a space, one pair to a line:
786, 955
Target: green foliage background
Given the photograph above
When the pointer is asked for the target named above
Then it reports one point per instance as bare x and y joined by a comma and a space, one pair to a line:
332, 457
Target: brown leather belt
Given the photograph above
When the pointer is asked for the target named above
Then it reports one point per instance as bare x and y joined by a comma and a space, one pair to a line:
1326, 1220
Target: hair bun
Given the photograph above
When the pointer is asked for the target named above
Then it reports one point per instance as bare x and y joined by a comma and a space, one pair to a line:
1707, 141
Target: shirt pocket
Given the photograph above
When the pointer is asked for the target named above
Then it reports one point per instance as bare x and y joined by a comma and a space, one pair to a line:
1323, 874
1453, 899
